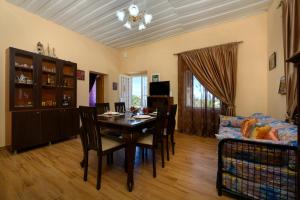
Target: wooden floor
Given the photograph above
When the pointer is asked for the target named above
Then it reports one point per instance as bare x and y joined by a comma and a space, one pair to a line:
53, 172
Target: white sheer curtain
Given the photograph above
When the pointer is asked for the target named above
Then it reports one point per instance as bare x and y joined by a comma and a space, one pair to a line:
125, 90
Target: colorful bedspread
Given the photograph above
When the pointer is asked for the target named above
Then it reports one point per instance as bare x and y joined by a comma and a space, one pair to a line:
287, 132
254, 189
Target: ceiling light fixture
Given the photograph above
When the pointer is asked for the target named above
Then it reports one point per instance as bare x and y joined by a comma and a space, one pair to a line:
132, 16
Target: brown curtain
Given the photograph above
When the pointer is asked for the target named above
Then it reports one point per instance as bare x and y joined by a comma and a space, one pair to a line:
291, 39
216, 68
198, 109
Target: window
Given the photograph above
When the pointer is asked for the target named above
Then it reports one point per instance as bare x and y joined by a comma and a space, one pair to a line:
201, 97
139, 91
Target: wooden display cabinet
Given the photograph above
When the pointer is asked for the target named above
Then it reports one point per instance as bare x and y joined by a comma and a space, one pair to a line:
42, 99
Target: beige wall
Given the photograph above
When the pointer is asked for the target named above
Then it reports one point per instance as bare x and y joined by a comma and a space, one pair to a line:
276, 102
23, 30
257, 89
157, 57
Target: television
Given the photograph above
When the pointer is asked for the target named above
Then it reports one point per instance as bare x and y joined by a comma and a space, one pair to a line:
161, 88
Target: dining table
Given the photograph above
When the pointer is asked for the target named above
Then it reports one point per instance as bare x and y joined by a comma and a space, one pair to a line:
131, 128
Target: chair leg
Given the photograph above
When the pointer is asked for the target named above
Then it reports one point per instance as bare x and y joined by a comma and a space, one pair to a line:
162, 154
167, 146
173, 144
99, 172
125, 161
146, 153
86, 163
143, 155
107, 159
154, 162
112, 158
82, 163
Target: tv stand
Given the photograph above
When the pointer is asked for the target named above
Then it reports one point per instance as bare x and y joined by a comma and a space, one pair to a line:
156, 100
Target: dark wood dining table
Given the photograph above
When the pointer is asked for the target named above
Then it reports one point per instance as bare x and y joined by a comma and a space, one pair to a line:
131, 129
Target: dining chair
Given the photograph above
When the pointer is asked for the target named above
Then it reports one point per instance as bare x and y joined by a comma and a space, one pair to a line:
169, 131
92, 139
112, 133
102, 108
120, 107
153, 136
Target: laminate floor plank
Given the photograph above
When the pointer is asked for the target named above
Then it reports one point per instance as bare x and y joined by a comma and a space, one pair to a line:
53, 172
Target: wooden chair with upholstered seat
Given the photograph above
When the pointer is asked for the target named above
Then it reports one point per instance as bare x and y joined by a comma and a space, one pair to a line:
102, 108
92, 139
153, 136
113, 134
120, 107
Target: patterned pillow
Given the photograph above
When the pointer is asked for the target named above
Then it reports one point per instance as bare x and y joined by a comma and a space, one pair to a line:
264, 133
230, 121
247, 125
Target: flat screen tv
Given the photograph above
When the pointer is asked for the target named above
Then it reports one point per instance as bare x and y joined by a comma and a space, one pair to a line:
160, 88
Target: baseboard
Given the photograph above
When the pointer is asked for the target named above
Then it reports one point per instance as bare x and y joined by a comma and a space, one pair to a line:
3, 148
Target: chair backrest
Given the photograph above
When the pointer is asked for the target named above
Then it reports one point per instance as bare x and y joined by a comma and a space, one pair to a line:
161, 119
172, 119
120, 107
91, 137
102, 108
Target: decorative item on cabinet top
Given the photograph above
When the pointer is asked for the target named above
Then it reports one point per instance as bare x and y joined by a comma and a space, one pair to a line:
48, 52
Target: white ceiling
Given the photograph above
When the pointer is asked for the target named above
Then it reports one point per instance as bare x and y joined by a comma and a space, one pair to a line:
96, 19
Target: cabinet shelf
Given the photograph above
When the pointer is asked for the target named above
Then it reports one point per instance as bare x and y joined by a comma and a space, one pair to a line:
24, 106
69, 75
48, 72
66, 87
49, 86
23, 84
23, 68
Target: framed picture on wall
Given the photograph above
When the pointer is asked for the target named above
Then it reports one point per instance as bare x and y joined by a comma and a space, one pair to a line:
115, 86
272, 61
80, 74
155, 78
282, 86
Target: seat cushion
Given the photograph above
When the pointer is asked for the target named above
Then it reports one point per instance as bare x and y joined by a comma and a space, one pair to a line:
148, 140
109, 143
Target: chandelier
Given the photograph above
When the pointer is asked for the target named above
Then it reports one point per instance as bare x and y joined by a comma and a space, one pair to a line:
133, 16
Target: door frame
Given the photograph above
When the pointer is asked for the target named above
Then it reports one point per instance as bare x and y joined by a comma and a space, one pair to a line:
100, 86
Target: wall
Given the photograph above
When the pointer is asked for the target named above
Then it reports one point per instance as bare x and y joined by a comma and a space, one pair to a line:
23, 30
276, 102
157, 57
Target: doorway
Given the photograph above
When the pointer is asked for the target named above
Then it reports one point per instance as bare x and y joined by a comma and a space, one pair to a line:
133, 90
96, 88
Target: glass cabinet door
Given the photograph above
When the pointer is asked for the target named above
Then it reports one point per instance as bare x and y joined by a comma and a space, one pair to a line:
24, 69
68, 85
48, 83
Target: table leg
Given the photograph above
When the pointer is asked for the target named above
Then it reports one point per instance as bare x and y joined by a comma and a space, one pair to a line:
130, 150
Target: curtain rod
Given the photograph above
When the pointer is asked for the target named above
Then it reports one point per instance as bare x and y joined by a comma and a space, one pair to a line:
176, 54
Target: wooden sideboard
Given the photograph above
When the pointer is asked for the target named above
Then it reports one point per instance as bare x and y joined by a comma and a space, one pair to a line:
155, 101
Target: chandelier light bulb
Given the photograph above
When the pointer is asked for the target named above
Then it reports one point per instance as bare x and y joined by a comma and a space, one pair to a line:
121, 15
142, 26
127, 25
133, 10
147, 18
133, 17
